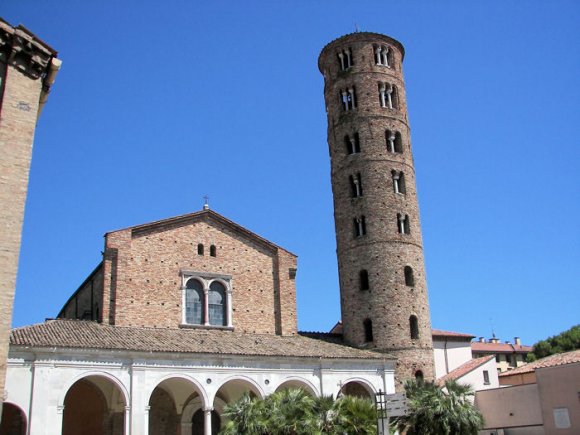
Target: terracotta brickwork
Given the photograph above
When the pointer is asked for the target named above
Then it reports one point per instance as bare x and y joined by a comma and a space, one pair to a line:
356, 109
24, 66
143, 266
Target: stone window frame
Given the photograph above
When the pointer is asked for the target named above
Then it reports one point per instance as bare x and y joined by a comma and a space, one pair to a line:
206, 279
347, 99
388, 96
382, 55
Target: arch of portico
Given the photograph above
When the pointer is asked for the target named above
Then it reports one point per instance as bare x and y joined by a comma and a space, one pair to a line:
94, 403
358, 387
296, 382
13, 420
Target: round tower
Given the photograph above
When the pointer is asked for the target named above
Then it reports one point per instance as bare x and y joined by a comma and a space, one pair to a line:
383, 289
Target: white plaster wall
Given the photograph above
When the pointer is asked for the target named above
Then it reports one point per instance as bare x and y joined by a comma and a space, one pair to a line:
47, 379
475, 377
458, 353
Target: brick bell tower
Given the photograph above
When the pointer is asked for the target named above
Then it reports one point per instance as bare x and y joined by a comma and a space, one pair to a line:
383, 289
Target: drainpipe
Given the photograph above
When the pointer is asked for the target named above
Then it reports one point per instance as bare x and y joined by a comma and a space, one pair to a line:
33, 370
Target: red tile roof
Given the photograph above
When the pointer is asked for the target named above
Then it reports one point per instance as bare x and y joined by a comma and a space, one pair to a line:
464, 369
550, 361
478, 347
450, 334
81, 334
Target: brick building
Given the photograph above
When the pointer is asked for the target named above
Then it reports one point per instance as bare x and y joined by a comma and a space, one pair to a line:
185, 314
28, 68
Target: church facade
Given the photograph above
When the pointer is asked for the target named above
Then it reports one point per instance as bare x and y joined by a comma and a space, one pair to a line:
185, 314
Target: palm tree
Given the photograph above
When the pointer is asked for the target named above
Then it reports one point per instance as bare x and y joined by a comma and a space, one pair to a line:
437, 411
295, 412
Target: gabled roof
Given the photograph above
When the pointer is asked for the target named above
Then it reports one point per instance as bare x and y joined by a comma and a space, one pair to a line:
558, 359
185, 219
464, 369
499, 348
82, 334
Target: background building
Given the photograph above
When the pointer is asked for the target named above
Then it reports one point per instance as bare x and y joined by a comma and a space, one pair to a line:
28, 67
508, 355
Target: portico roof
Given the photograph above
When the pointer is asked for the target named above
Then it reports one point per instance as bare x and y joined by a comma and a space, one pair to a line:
65, 333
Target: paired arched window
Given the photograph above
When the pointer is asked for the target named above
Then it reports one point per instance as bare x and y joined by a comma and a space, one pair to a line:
403, 224
360, 228
368, 327
194, 305
356, 185
345, 59
363, 277
414, 327
388, 95
409, 278
394, 141
347, 99
383, 55
206, 302
352, 144
399, 182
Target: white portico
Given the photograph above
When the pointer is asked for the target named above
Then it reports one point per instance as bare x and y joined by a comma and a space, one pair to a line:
169, 379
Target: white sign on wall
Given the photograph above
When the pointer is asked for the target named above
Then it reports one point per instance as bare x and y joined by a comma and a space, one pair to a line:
561, 418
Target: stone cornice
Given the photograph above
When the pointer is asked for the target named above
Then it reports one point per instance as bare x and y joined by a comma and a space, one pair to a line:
24, 51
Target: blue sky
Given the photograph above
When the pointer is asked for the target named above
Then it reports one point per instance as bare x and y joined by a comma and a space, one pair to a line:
160, 103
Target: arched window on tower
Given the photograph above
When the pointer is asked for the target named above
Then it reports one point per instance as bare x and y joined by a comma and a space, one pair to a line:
398, 182
345, 59
356, 185
194, 302
200, 249
352, 144
217, 304
360, 228
414, 327
403, 224
363, 276
394, 141
212, 251
368, 326
409, 278
383, 55
347, 99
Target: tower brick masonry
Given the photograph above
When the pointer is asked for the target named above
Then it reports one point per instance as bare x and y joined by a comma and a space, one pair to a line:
383, 290
27, 70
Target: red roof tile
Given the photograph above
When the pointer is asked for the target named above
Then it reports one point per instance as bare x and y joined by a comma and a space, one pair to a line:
63, 333
550, 361
499, 348
464, 369
450, 334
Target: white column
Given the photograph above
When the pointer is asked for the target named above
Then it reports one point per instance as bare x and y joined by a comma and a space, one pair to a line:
352, 145
389, 97
401, 224
345, 100
386, 57
348, 59
341, 56
392, 143
229, 308
396, 182
127, 420
378, 57
382, 94
351, 94
205, 303
146, 421
207, 421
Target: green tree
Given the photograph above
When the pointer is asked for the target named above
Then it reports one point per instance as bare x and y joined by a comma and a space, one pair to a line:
566, 341
437, 411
